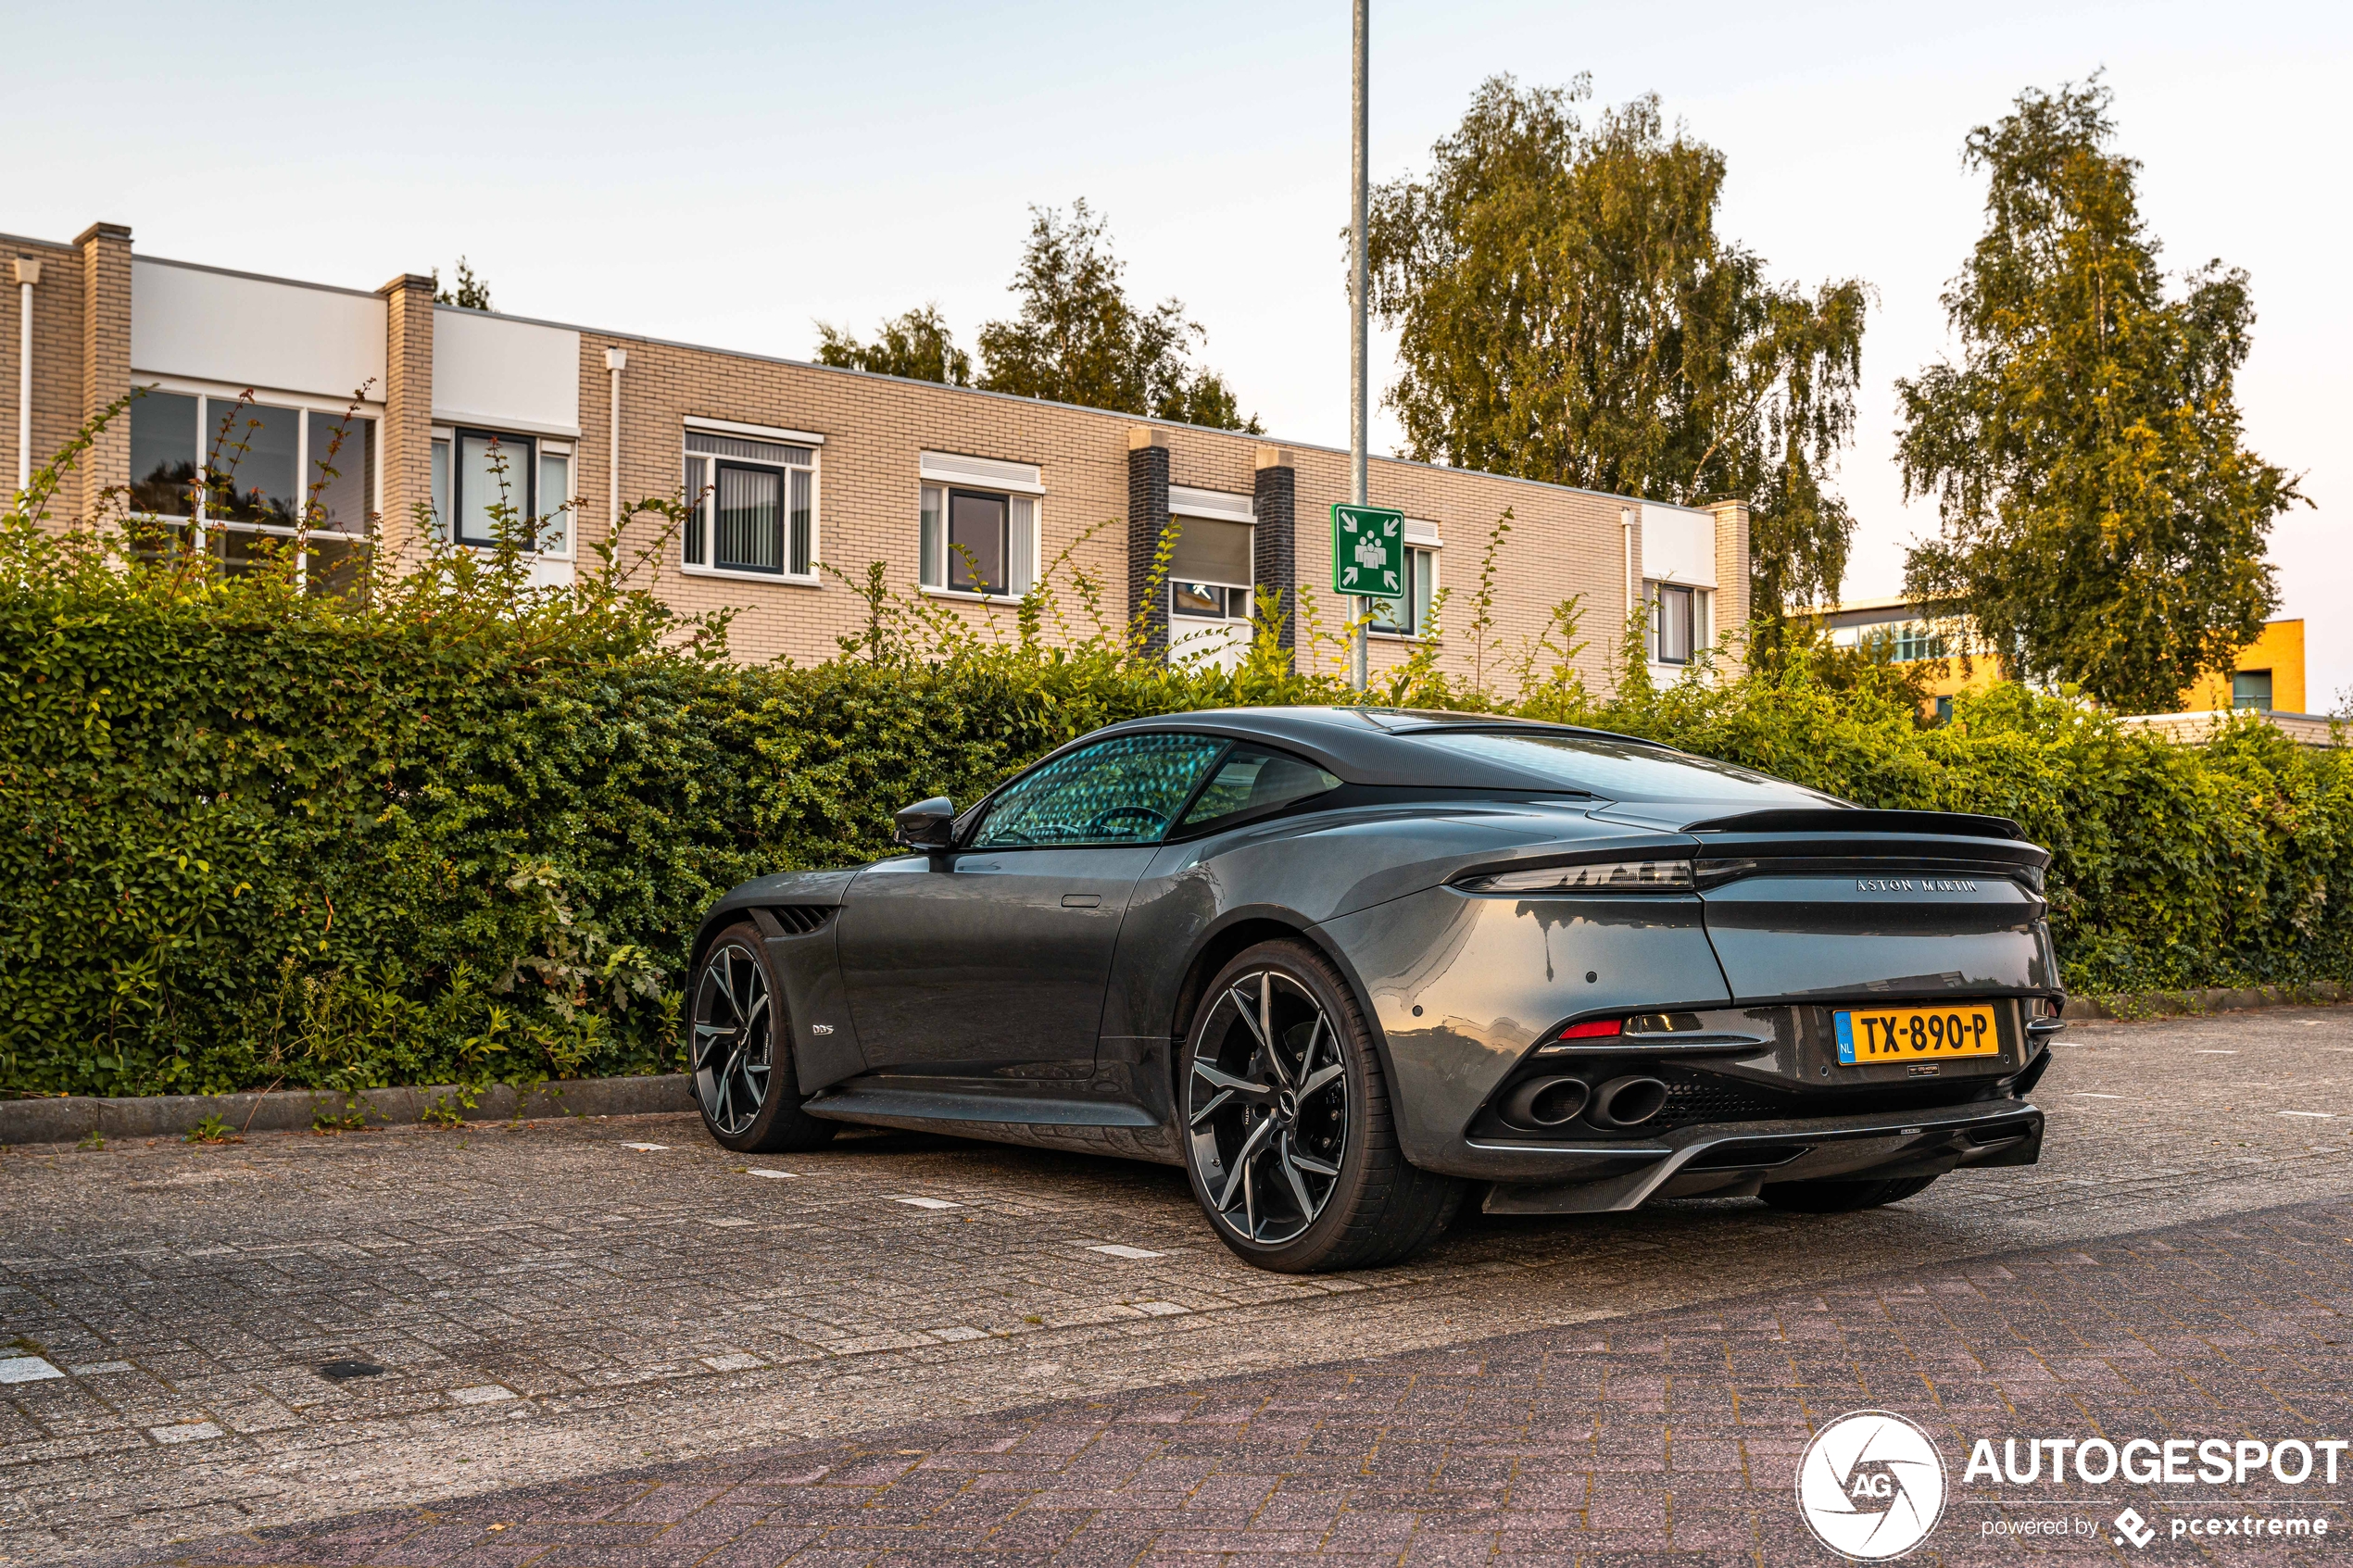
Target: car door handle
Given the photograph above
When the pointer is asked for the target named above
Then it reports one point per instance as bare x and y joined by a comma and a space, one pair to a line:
1081, 900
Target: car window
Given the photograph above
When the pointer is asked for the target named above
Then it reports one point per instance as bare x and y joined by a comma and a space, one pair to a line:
1122, 791
1251, 781
1621, 770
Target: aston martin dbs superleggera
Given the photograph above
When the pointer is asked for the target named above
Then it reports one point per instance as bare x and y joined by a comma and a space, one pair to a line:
1352, 967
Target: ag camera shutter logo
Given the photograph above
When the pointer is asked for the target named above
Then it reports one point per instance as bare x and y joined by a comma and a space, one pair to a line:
1872, 1485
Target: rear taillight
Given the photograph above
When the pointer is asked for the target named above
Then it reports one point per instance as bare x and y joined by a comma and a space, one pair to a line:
1603, 876
1578, 1034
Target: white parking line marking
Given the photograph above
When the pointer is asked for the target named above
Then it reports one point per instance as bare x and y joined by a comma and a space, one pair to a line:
2202, 1051
1115, 1251
727, 1224
2094, 1093
645, 1148
2323, 1115
778, 1175
1162, 1308
928, 1202
26, 1369
734, 1361
956, 1335
482, 1394
95, 1368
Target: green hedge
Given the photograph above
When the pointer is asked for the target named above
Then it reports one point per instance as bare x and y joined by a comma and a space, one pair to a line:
453, 829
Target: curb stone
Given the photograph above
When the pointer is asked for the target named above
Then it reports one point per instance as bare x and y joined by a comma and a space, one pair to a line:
71, 1119
2166, 1004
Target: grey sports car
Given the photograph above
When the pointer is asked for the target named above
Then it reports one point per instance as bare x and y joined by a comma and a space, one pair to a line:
1351, 968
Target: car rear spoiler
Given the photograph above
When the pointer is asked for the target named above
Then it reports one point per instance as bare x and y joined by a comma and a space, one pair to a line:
1947, 824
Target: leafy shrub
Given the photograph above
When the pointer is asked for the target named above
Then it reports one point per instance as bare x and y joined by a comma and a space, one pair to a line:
441, 827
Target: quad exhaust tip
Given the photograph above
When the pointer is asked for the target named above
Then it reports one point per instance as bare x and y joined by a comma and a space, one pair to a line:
1547, 1102
1629, 1101
1555, 1102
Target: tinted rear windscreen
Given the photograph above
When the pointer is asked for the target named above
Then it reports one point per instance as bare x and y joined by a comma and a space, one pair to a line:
1622, 771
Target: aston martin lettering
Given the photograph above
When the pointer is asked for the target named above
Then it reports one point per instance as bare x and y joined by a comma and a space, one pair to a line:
1914, 885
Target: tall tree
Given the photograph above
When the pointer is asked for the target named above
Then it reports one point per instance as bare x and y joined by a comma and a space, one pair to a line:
472, 293
1077, 339
917, 344
1567, 311
2100, 516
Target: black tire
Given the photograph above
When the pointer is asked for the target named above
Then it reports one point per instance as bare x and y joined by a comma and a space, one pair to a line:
1842, 1198
1338, 1192
739, 1051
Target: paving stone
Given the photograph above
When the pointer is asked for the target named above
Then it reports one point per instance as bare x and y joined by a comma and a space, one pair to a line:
1462, 1457
582, 1281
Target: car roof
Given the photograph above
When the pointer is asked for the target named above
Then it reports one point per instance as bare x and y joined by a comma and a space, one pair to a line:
1372, 746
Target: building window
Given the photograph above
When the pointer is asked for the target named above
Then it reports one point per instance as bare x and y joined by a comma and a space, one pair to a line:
1209, 570
239, 474
1677, 622
755, 505
1408, 614
481, 477
978, 526
978, 541
1914, 640
1944, 710
556, 496
2251, 688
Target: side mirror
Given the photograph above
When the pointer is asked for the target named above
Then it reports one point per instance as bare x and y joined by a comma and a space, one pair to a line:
927, 824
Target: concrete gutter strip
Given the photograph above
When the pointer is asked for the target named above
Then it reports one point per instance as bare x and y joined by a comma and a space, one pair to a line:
155, 1116
150, 1116
2160, 1004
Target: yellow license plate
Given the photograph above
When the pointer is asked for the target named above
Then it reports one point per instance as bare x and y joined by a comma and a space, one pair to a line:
1914, 1033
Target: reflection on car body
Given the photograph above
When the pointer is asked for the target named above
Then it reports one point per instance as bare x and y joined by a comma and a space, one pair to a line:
1352, 967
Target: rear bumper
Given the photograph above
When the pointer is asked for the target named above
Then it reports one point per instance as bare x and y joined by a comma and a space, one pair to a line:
1737, 1158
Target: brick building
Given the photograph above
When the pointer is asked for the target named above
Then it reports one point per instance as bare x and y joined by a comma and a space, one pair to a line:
966, 494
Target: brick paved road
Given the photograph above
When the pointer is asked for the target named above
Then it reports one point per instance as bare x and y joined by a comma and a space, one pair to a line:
548, 1304
1668, 1437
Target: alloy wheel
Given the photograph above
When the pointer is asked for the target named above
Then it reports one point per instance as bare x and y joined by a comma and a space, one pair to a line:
733, 1051
1266, 1107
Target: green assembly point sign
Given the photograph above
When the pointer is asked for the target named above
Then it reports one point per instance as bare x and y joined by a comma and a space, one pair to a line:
1369, 551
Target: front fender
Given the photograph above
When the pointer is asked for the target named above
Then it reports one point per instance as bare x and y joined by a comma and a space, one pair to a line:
805, 963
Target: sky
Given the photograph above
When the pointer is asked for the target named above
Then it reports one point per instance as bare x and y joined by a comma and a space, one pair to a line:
731, 174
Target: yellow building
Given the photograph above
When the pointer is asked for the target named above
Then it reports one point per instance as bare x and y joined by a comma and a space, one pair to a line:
2268, 673
1915, 633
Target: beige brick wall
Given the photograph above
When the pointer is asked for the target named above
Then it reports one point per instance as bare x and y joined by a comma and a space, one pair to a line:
1732, 571
57, 359
105, 360
1563, 543
408, 425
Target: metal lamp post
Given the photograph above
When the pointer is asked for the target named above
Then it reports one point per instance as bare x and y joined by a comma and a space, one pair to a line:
1358, 341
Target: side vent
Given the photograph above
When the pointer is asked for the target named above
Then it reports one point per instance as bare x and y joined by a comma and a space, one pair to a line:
799, 919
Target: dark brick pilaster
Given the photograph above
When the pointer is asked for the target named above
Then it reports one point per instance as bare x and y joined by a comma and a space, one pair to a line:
1147, 516
1273, 552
